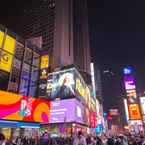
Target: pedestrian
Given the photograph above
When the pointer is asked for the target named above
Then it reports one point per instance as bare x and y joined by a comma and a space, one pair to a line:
79, 139
2, 139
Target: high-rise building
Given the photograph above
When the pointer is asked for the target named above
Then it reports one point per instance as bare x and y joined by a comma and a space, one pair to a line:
63, 26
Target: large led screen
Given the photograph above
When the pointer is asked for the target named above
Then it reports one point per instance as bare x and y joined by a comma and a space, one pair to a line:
69, 110
66, 84
142, 101
129, 82
15, 107
61, 85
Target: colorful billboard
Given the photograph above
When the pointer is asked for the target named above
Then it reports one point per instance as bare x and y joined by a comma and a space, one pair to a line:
60, 111
66, 84
129, 82
44, 61
18, 108
142, 101
5, 61
9, 44
61, 85
134, 112
131, 96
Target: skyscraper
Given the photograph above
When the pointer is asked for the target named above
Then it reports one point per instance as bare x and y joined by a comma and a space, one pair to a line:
63, 26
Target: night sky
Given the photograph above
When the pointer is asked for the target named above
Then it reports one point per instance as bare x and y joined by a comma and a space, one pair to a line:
117, 29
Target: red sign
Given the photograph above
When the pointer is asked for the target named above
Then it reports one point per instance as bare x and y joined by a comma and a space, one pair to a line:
93, 120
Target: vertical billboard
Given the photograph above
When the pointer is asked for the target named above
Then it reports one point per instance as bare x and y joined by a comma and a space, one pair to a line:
142, 102
134, 112
132, 101
129, 82
5, 61
1, 38
9, 44
44, 64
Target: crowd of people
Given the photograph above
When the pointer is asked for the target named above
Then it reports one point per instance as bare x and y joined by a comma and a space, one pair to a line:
78, 139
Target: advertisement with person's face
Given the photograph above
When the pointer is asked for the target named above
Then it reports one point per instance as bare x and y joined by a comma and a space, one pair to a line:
61, 85
67, 84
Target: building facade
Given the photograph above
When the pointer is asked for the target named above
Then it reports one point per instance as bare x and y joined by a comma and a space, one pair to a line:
63, 26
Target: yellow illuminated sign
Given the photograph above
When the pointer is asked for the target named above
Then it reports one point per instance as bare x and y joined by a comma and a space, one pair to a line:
6, 61
44, 61
1, 38
9, 44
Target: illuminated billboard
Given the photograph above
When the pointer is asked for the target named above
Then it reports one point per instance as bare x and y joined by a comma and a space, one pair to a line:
18, 108
128, 70
67, 84
129, 82
131, 96
142, 101
9, 44
134, 112
60, 111
6, 61
44, 61
1, 38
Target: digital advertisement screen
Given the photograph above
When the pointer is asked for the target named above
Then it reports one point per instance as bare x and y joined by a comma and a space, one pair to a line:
61, 85
134, 112
129, 82
44, 61
66, 84
142, 101
131, 96
18, 108
60, 111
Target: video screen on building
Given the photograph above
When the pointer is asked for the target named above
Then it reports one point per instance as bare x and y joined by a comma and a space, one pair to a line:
18, 108
60, 111
61, 85
129, 82
134, 112
142, 101
66, 84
